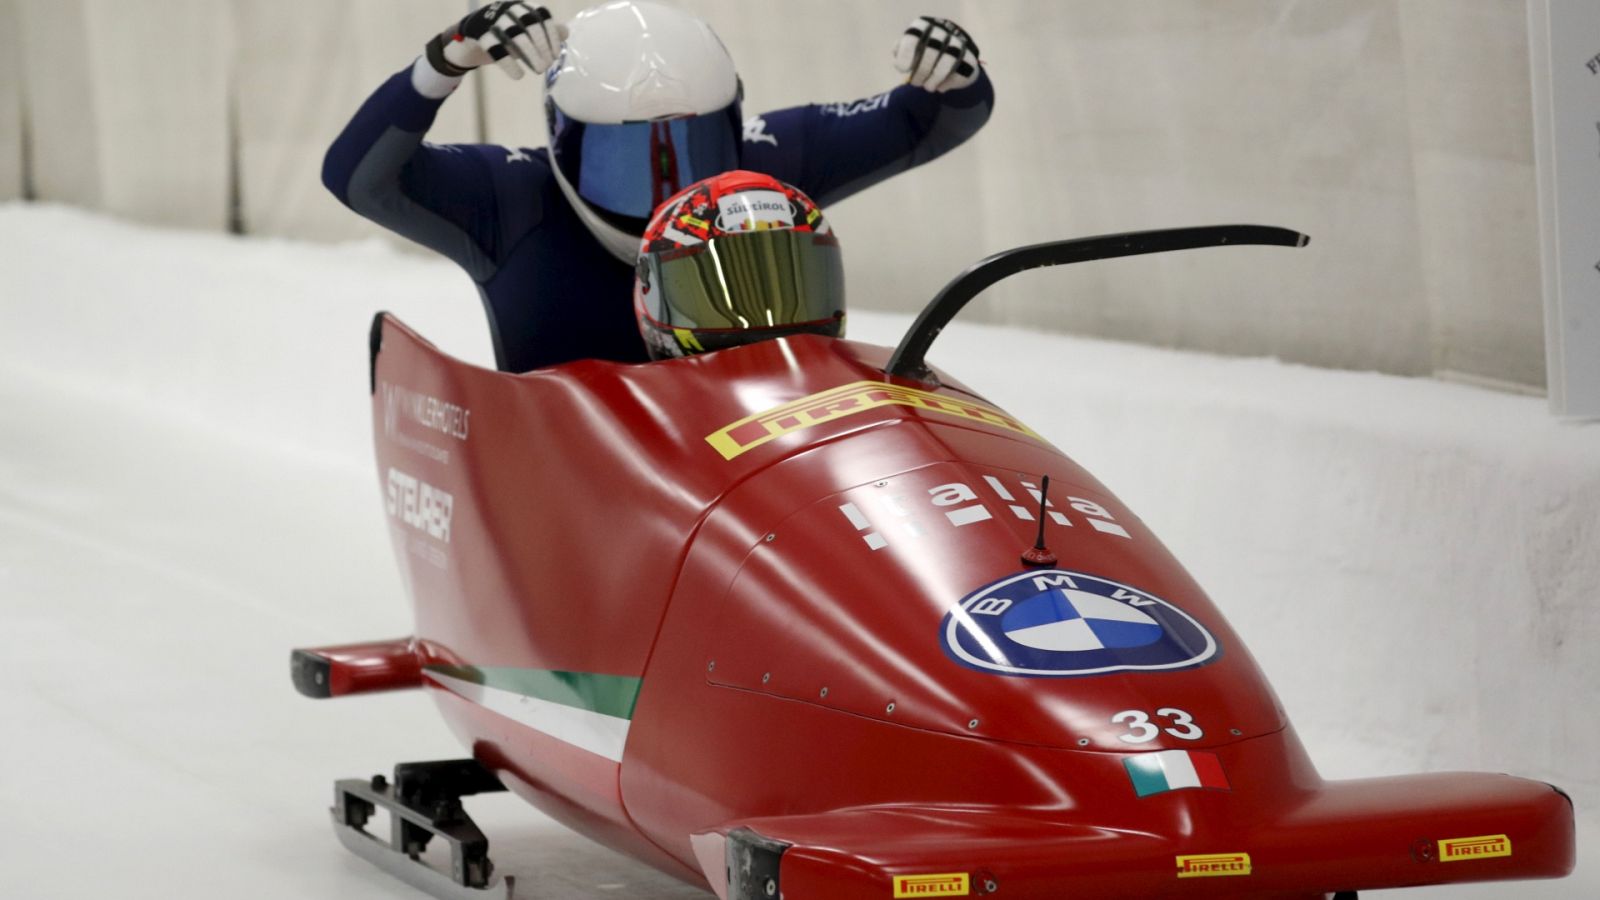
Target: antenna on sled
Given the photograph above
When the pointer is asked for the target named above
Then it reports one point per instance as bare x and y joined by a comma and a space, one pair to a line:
1038, 554
907, 361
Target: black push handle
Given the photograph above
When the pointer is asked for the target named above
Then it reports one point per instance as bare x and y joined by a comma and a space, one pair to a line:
907, 361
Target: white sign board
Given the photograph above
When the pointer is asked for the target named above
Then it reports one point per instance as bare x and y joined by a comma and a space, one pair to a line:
1564, 38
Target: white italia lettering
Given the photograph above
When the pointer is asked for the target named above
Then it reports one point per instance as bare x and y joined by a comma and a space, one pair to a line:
951, 494
1099, 517
857, 519
962, 505
1055, 515
967, 515
897, 505
1088, 507
1105, 527
999, 488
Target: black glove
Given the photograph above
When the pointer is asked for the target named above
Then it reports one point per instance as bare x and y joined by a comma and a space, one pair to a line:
510, 33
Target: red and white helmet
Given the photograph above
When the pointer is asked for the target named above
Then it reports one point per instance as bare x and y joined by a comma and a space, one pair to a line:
737, 258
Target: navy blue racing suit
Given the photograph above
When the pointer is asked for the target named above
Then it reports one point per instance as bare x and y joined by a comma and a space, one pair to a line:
552, 292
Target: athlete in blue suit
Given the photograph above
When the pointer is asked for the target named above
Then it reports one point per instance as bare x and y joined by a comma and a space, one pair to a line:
550, 239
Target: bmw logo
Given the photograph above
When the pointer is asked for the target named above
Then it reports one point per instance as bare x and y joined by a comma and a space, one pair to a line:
1056, 623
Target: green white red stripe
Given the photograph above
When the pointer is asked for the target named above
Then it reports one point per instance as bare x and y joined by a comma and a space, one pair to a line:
586, 710
1175, 770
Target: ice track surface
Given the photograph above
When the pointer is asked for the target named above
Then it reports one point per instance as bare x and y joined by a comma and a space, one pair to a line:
186, 492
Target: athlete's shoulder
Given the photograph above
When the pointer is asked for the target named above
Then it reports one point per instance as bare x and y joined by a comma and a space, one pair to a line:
520, 173
513, 162
523, 193
773, 142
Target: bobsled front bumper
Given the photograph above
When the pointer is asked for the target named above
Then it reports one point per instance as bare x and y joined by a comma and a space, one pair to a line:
1344, 836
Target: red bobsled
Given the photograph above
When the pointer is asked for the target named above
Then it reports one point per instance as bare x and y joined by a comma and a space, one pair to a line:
761, 618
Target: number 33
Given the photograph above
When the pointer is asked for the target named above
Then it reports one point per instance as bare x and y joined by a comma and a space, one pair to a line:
1141, 729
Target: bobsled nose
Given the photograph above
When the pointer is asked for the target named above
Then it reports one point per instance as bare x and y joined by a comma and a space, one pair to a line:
1344, 836
909, 851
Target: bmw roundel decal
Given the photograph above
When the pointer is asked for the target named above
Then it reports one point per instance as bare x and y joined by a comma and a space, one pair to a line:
1051, 622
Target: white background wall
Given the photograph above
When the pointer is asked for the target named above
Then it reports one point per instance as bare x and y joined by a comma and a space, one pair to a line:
1396, 132
302, 69
11, 186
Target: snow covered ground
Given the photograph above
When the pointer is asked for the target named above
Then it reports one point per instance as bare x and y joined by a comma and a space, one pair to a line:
185, 493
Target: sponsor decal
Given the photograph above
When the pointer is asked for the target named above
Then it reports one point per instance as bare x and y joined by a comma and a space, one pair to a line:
432, 414
754, 211
755, 132
961, 504
1055, 623
953, 884
1481, 847
1210, 865
420, 505
856, 107
848, 400
1175, 770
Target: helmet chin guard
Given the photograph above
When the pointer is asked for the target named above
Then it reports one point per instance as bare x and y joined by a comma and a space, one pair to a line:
642, 101
618, 243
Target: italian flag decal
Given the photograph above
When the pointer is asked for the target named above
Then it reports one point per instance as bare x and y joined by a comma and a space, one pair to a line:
590, 711
1174, 770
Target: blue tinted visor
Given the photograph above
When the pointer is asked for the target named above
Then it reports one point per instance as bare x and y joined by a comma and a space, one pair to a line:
626, 170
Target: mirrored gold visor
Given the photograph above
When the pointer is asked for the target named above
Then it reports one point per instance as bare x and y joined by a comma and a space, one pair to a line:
759, 279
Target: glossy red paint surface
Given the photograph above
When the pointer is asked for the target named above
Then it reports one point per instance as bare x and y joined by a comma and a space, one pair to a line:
783, 581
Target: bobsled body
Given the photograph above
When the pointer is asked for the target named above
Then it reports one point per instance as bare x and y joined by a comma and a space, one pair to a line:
772, 595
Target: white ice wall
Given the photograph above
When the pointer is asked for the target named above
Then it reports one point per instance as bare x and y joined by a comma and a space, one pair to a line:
1395, 132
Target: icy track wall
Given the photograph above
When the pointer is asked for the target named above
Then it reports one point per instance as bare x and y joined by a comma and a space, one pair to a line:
1414, 563
1396, 132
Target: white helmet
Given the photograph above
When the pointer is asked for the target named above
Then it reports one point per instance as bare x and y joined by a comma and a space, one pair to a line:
642, 102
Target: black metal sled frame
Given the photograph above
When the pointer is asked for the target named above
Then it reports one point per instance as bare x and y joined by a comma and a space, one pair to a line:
424, 802
907, 361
